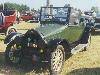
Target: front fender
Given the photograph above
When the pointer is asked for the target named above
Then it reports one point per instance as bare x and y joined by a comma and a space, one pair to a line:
53, 44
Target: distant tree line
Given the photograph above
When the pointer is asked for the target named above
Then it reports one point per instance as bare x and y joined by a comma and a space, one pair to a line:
14, 6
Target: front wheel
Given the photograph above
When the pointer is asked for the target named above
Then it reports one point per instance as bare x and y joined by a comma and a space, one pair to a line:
57, 60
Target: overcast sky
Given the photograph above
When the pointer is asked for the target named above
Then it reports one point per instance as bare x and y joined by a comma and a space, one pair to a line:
81, 4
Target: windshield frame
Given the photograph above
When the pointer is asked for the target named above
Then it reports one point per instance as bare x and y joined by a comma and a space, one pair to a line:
54, 21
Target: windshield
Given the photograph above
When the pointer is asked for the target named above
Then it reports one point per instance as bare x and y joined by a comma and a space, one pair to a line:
55, 15
49, 29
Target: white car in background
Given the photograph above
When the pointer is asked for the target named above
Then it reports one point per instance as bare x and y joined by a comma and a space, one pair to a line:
97, 22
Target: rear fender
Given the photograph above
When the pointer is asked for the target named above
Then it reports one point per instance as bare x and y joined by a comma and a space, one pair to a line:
85, 36
11, 27
12, 37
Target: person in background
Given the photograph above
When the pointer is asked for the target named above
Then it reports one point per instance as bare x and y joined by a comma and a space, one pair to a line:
17, 16
1, 18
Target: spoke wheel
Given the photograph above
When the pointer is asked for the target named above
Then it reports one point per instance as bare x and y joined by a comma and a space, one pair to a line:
13, 54
57, 59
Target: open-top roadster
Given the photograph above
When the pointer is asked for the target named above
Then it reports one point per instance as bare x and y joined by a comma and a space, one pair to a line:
51, 42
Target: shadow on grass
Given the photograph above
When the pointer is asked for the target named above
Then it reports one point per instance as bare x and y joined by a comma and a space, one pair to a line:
85, 71
33, 68
25, 67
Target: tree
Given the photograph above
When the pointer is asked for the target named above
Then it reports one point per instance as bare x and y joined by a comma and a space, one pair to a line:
1, 7
14, 6
32, 9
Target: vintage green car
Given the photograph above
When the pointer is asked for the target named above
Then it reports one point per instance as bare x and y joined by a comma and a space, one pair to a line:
53, 41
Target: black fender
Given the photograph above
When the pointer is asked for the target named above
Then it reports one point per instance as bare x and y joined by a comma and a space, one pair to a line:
54, 42
33, 35
86, 33
12, 37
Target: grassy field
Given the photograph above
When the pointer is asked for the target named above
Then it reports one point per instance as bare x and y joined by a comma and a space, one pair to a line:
82, 63
24, 26
85, 63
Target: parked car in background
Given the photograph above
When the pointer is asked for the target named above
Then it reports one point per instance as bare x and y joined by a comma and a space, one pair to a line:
97, 22
28, 16
7, 19
85, 16
50, 43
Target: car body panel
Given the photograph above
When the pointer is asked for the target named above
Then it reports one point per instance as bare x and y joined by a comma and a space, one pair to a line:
54, 31
9, 18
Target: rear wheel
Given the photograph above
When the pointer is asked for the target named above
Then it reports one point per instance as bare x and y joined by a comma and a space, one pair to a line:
57, 60
13, 54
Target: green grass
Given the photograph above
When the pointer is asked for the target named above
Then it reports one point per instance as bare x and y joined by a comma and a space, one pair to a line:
8, 70
2, 37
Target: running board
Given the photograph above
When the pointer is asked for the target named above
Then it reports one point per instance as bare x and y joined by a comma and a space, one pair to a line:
78, 48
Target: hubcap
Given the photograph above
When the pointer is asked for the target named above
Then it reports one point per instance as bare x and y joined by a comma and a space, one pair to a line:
57, 58
14, 54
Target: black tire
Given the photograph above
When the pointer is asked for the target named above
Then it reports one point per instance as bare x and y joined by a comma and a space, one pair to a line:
13, 56
57, 58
